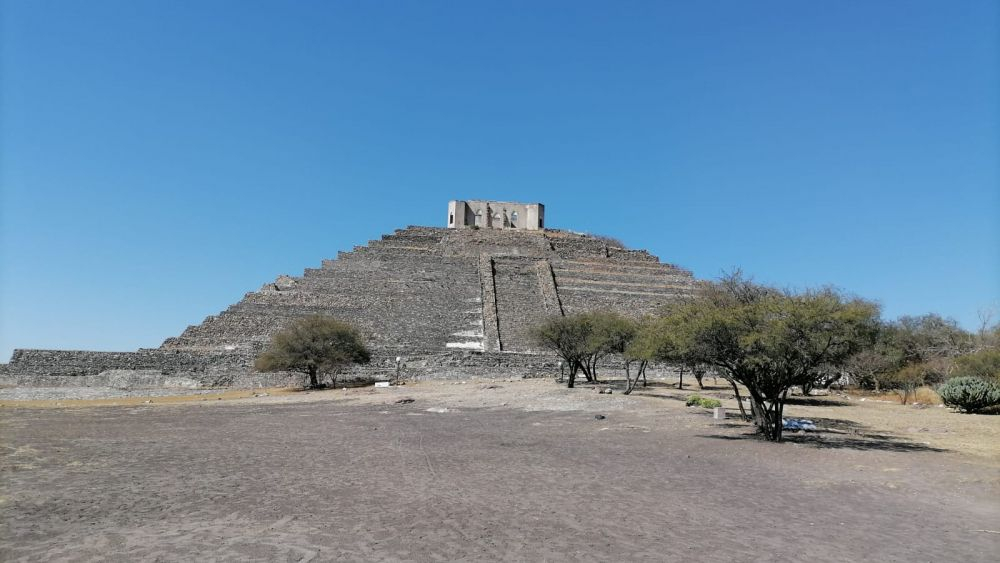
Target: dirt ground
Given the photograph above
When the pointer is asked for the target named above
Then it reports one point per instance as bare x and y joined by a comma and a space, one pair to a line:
487, 470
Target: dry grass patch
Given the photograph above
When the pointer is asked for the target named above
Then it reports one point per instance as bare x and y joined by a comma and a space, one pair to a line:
923, 395
220, 395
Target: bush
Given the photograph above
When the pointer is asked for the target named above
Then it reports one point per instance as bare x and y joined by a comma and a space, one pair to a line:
970, 394
710, 403
697, 401
984, 364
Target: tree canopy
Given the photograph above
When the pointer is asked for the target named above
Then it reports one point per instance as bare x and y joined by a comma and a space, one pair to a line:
984, 364
315, 346
583, 339
767, 339
928, 337
567, 337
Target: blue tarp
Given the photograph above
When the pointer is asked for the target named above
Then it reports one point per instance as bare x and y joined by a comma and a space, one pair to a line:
797, 424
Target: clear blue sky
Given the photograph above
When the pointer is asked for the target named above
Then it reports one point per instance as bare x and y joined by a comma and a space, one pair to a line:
162, 158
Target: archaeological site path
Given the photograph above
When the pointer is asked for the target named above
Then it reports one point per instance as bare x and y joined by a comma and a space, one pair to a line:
531, 475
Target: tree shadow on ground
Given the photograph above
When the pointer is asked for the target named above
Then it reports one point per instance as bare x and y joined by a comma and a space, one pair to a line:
308, 389
835, 433
678, 398
743, 425
327, 386
823, 442
988, 411
815, 402
689, 385
692, 386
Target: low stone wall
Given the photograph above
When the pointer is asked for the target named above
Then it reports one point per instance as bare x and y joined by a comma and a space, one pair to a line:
85, 362
185, 369
155, 379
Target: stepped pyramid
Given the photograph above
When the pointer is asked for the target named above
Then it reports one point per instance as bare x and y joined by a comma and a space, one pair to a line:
421, 292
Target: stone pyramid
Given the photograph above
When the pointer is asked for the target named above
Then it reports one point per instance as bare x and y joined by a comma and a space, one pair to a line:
435, 296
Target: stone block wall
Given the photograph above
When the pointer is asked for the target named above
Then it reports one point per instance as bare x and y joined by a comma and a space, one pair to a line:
56, 367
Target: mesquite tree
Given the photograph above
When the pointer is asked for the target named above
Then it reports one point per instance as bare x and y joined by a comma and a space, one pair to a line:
642, 349
315, 346
610, 333
567, 337
584, 339
871, 366
767, 339
653, 342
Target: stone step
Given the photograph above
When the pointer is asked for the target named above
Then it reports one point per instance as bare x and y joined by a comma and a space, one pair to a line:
320, 304
520, 302
417, 236
633, 257
390, 251
333, 297
567, 284
612, 266
456, 272
621, 276
352, 261
563, 289
414, 244
633, 304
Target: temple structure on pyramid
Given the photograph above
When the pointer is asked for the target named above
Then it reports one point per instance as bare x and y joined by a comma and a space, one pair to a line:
447, 300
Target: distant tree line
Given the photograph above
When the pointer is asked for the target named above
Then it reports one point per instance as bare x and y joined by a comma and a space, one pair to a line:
925, 350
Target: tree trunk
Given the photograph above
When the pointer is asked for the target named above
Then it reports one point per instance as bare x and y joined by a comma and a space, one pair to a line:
767, 417
572, 375
630, 384
739, 400
680, 382
313, 381
699, 375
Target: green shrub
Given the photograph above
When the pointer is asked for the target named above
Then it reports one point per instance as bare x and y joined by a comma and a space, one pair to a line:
970, 394
699, 401
984, 364
710, 403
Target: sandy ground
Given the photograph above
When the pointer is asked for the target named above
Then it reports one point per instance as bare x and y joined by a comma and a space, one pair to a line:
487, 470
